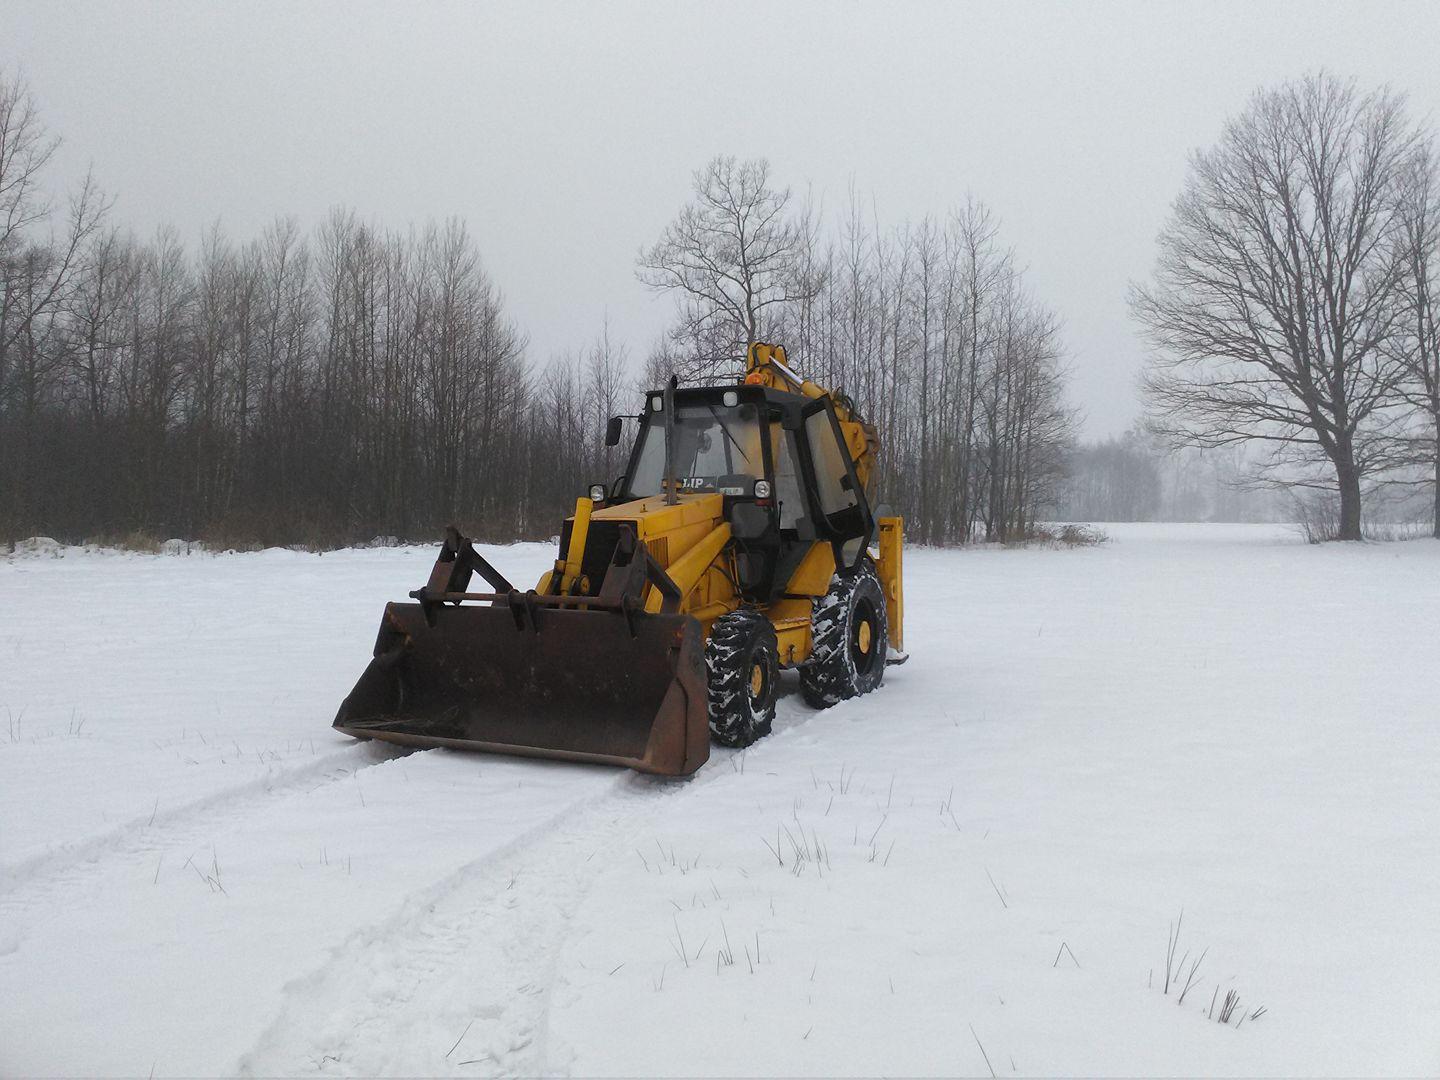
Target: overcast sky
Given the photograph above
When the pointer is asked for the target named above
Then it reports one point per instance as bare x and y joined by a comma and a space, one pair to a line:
566, 135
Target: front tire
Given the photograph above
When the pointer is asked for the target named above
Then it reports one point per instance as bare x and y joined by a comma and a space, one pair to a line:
742, 662
849, 638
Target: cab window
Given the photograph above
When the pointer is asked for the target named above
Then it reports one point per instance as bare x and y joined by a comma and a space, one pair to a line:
717, 448
788, 492
831, 465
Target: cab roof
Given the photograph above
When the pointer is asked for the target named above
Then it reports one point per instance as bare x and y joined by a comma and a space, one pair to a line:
712, 395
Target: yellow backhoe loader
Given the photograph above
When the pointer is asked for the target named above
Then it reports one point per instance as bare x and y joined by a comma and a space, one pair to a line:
740, 540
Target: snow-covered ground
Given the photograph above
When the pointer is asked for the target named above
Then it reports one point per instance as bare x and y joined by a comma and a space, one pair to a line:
975, 869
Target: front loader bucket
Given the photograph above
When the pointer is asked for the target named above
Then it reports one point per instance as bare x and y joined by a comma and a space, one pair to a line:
624, 688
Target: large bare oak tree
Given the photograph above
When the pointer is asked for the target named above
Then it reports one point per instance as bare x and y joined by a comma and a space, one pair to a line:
1279, 289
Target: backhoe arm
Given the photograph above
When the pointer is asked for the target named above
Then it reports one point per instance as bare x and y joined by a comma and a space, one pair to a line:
766, 366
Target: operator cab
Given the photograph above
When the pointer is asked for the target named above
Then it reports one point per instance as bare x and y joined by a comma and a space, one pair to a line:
780, 462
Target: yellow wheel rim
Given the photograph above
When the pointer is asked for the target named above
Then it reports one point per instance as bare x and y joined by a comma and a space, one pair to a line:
757, 680
863, 638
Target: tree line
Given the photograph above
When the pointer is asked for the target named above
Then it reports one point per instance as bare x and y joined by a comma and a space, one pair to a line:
328, 386
1137, 477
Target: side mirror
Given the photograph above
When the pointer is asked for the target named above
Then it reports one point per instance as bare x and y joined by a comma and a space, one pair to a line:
612, 431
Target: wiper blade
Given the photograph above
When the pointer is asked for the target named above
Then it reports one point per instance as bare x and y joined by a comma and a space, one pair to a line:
741, 453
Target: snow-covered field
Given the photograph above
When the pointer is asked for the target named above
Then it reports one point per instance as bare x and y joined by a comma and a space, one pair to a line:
975, 869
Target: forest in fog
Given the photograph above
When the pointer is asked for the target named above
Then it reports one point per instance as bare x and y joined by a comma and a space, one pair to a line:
325, 385
328, 385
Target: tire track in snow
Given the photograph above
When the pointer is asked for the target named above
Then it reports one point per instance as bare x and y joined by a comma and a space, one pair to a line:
32, 882
458, 979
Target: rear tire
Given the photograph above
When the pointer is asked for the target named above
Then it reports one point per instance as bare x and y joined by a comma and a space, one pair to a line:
742, 662
849, 639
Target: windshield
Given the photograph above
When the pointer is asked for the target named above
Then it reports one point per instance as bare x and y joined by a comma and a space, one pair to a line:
717, 448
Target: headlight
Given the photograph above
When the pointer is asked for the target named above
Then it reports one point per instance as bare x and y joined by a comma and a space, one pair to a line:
762, 489
597, 492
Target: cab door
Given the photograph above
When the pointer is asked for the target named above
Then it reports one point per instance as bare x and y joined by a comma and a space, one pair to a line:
840, 504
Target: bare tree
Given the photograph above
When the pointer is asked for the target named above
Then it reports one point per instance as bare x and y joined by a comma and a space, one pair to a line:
606, 392
39, 266
734, 255
26, 147
1278, 288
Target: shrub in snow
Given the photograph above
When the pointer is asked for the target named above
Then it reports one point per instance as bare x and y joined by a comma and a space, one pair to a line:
40, 546
1049, 534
